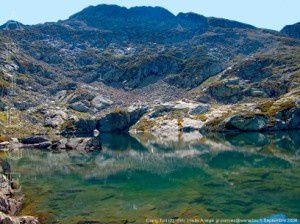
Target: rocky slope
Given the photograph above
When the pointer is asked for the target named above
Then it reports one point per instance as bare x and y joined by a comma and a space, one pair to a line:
84, 72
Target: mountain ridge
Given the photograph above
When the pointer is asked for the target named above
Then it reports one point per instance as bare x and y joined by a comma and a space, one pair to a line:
142, 59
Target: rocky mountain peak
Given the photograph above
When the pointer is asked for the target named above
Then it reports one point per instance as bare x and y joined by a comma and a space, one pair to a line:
12, 25
113, 17
102, 11
292, 30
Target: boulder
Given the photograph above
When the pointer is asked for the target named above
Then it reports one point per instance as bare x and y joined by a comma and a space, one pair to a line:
287, 119
23, 105
53, 122
203, 99
161, 110
83, 144
43, 145
200, 109
225, 93
81, 97
294, 118
99, 102
244, 123
257, 93
80, 107
55, 118
6, 219
119, 121
2, 106
190, 125
84, 126
34, 140
10, 203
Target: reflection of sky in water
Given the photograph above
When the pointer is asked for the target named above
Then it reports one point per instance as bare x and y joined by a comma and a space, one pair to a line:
247, 175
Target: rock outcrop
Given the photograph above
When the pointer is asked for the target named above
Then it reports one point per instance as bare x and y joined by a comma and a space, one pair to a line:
268, 115
58, 144
11, 202
116, 121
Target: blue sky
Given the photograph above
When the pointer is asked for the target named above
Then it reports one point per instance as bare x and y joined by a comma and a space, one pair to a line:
271, 14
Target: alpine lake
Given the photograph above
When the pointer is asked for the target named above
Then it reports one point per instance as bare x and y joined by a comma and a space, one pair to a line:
137, 178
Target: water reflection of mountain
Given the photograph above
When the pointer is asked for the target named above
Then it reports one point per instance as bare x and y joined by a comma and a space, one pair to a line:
157, 155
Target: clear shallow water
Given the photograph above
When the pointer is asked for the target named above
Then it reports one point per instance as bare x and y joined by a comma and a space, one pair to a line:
134, 178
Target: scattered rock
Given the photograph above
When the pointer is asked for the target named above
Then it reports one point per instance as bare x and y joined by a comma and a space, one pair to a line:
55, 118
100, 102
80, 106
84, 96
23, 105
83, 144
200, 109
2, 106
6, 219
190, 125
257, 93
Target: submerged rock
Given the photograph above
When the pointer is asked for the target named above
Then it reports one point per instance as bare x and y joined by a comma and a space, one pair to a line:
77, 144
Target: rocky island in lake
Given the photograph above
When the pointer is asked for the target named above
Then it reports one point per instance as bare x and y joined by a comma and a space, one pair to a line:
138, 115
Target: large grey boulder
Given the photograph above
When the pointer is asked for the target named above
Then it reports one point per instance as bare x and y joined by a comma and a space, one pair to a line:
55, 118
100, 102
244, 123
287, 119
81, 97
80, 107
200, 109
33, 140
119, 121
83, 144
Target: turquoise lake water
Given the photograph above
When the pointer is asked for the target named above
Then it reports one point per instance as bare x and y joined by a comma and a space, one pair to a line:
137, 178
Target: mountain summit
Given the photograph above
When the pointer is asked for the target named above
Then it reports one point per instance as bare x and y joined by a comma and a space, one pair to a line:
113, 16
12, 25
